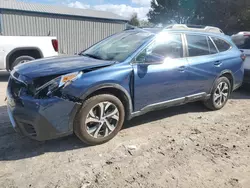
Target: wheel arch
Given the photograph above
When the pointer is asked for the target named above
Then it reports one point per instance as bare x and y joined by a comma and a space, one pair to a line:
229, 75
21, 49
116, 90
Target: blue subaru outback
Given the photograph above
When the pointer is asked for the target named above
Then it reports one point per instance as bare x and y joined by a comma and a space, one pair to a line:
125, 75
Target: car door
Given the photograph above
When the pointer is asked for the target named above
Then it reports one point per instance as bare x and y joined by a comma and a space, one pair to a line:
160, 72
205, 64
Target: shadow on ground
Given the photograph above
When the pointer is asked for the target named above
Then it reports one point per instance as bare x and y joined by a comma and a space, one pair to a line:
241, 93
16, 147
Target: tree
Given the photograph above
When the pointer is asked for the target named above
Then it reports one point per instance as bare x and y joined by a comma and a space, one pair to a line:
230, 16
145, 23
134, 20
171, 11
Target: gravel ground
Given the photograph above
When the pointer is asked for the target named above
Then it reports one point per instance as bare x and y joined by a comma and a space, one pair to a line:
185, 146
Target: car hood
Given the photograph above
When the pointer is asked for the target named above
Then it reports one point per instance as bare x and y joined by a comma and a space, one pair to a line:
59, 65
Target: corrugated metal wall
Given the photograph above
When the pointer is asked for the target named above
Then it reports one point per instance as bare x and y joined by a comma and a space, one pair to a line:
74, 33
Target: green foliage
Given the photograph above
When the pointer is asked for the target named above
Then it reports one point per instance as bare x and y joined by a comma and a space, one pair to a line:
134, 20
230, 15
145, 23
171, 11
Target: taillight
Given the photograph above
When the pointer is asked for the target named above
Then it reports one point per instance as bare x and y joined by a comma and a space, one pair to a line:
243, 56
55, 44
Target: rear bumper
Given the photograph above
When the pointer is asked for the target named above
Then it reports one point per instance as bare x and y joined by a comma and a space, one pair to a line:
41, 119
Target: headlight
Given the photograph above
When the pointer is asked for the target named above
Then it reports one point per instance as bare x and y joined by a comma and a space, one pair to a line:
58, 82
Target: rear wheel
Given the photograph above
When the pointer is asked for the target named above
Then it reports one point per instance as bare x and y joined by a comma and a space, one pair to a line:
21, 60
220, 94
100, 119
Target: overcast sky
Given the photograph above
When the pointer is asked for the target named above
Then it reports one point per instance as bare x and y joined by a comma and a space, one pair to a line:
122, 7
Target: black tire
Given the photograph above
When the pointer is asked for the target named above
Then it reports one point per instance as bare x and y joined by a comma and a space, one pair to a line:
20, 60
210, 103
80, 127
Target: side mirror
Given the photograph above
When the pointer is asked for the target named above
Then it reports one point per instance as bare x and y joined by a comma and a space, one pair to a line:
153, 59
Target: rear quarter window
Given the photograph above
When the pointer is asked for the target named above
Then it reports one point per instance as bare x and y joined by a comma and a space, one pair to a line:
221, 44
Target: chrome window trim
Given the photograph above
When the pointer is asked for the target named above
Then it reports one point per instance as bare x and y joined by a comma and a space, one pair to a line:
214, 44
209, 38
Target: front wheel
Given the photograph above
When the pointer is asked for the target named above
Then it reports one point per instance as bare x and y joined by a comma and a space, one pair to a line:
220, 94
100, 119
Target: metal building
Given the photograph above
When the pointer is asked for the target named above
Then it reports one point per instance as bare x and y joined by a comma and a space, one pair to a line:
76, 29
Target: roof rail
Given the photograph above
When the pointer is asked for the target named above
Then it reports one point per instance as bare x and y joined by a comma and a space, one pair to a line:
131, 27
195, 28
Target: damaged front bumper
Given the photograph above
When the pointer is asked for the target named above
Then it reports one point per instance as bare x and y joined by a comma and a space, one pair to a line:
41, 119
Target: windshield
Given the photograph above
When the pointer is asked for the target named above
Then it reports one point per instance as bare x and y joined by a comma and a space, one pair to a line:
118, 47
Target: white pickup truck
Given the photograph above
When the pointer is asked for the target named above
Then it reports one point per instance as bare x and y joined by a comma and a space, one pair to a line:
15, 50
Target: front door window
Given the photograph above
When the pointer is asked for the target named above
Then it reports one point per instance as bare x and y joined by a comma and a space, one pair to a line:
164, 46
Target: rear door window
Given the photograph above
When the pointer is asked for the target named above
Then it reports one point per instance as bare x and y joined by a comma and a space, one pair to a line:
170, 46
221, 44
197, 45
212, 47
164, 46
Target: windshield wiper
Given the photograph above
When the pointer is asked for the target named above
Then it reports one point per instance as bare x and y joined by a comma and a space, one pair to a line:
92, 56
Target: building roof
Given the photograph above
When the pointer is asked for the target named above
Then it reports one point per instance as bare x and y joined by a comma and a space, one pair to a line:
60, 10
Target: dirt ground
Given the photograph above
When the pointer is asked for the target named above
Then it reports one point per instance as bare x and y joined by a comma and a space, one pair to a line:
185, 146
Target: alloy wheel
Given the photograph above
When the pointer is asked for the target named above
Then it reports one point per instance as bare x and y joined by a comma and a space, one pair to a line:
102, 119
221, 94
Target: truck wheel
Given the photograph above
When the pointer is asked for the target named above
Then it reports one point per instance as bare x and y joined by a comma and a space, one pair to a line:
20, 60
100, 119
220, 94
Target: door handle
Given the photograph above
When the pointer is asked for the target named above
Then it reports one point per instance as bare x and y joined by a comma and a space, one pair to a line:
218, 63
181, 68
